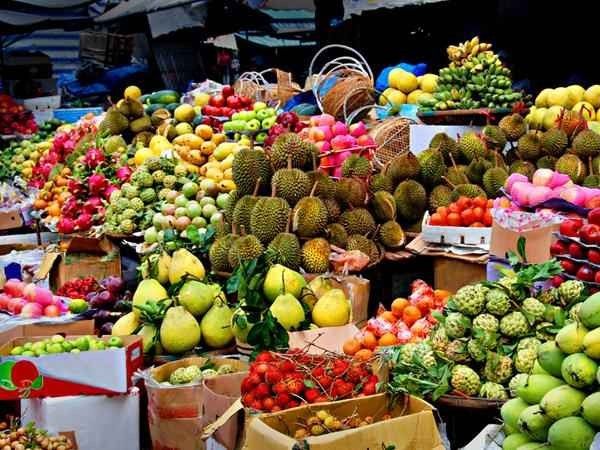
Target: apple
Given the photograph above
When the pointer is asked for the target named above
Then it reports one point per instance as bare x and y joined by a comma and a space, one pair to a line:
246, 101
594, 216
597, 277
585, 273
559, 248
570, 227
268, 122
15, 305
43, 296
227, 91
14, 287
217, 100
227, 111
259, 105
233, 101
590, 233
32, 310
261, 137
262, 114
593, 256
557, 280
569, 266
253, 125
576, 250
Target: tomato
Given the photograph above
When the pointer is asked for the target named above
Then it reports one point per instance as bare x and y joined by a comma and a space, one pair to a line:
467, 217
454, 219
478, 213
437, 219
464, 202
487, 218
454, 208
480, 201
442, 211
477, 225
490, 203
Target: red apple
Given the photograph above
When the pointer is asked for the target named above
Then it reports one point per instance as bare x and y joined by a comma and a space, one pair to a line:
227, 91
4, 299
559, 248
594, 216
585, 273
557, 280
593, 256
569, 266
31, 310
29, 292
576, 250
234, 102
597, 277
570, 227
15, 305
590, 233
217, 100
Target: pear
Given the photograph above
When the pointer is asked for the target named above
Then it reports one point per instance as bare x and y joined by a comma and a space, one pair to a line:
216, 324
197, 297
184, 263
281, 280
240, 325
149, 334
332, 309
148, 289
126, 325
161, 270
179, 331
288, 311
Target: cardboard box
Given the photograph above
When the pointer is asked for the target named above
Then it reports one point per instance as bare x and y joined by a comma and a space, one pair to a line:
175, 412
10, 219
78, 327
80, 257
412, 426
328, 338
537, 245
451, 273
101, 422
86, 373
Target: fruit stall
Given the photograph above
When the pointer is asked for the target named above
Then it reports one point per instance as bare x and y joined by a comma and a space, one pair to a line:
402, 267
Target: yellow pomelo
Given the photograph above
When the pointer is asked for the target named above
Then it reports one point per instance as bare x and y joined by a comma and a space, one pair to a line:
403, 80
132, 92
592, 95
586, 109
428, 82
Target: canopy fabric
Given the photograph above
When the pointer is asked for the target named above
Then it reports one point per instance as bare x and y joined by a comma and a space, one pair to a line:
22, 19
166, 21
357, 7
131, 7
269, 41
54, 3
223, 41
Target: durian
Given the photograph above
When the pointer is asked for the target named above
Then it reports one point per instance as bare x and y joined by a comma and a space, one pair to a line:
364, 245
381, 182
554, 142
383, 206
432, 165
352, 191
493, 181
250, 166
472, 146
337, 235
391, 234
244, 249
358, 220
529, 146
356, 166
285, 250
403, 167
439, 196
291, 145
315, 255
411, 200
571, 165
269, 217
513, 127
586, 143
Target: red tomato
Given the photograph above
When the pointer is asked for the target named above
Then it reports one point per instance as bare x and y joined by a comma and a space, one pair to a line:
467, 216
477, 225
454, 219
478, 213
480, 201
490, 203
487, 218
464, 202
442, 211
437, 219
454, 208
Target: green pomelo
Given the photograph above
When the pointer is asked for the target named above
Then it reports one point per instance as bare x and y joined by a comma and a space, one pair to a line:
590, 409
198, 297
514, 441
579, 370
570, 338
562, 401
571, 433
536, 387
511, 411
534, 423
538, 370
281, 280
550, 358
589, 314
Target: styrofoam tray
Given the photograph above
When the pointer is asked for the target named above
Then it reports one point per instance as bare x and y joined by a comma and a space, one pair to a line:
455, 235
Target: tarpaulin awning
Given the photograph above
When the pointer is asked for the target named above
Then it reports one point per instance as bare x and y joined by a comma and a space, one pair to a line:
269, 41
357, 7
166, 21
223, 41
22, 19
132, 7
53, 3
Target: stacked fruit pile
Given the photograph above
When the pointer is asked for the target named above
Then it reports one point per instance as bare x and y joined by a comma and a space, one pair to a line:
30, 437
465, 212
14, 118
475, 78
224, 104
256, 121
410, 320
323, 422
487, 332
550, 103
560, 404
30, 301
280, 199
58, 344
405, 87
285, 380
201, 314
337, 142
578, 248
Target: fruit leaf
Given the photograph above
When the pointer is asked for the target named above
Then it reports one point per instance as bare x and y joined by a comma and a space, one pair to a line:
37, 383
309, 384
7, 385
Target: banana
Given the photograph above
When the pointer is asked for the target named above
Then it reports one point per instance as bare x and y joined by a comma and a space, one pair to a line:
475, 41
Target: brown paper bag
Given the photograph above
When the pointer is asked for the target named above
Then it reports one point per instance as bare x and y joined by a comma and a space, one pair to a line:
175, 434
219, 394
537, 244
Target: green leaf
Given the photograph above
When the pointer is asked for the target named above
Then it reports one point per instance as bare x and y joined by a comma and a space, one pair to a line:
521, 248
37, 383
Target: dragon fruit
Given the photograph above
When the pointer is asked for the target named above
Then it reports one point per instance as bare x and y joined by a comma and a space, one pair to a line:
84, 222
70, 207
109, 190
75, 187
93, 157
97, 183
92, 205
123, 173
65, 225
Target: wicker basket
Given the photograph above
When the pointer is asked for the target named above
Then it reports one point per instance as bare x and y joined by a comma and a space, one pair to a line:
392, 137
472, 403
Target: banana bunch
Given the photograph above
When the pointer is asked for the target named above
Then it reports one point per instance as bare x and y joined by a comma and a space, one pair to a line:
462, 53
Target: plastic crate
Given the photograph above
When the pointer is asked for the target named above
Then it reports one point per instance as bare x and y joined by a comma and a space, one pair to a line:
71, 115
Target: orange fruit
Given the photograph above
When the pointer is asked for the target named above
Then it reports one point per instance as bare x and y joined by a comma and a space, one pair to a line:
351, 346
388, 339
411, 314
441, 294
54, 209
39, 203
388, 316
363, 355
398, 306
369, 340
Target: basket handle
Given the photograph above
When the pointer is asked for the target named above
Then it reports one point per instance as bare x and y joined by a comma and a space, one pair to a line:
342, 47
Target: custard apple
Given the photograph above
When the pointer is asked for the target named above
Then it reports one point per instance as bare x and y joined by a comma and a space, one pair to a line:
492, 391
129, 190
122, 204
439, 339
570, 291
158, 176
465, 380
152, 163
148, 195
485, 322
516, 382
457, 325
178, 376
169, 181
549, 296
514, 324
127, 226
534, 308
142, 179
497, 302
524, 360
476, 350
424, 353
456, 351
470, 299
136, 204
529, 342
498, 368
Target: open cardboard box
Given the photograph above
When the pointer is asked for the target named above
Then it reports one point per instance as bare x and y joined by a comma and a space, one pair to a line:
412, 426
55, 375
537, 243
78, 327
328, 338
80, 257
175, 412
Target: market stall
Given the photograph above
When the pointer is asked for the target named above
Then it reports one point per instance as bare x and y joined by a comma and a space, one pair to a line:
354, 257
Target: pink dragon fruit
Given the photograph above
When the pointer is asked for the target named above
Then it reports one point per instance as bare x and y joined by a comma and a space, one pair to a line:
92, 205
70, 208
93, 157
97, 183
84, 222
65, 225
75, 187
109, 190
123, 173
